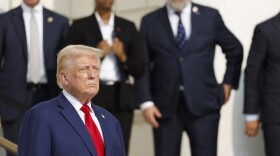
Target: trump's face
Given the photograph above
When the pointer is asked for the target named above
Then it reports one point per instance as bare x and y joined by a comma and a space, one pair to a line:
178, 5
82, 77
31, 3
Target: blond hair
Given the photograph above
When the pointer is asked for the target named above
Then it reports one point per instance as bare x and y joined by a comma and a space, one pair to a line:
66, 57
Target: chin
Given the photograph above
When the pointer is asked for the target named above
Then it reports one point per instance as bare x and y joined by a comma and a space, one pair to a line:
93, 94
93, 91
178, 6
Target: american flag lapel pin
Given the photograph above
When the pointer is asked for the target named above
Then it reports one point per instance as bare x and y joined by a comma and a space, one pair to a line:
102, 116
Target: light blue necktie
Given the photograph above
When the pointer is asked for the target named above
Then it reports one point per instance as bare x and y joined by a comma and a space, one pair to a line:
34, 56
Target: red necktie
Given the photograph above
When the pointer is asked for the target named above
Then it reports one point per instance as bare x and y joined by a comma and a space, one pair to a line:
93, 131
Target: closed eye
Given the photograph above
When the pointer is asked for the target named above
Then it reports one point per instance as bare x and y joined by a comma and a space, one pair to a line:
82, 69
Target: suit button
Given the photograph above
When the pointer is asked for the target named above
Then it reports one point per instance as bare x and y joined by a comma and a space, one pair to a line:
181, 59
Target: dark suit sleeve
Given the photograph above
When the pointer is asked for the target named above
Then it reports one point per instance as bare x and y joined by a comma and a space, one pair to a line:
143, 85
134, 64
254, 72
34, 139
233, 50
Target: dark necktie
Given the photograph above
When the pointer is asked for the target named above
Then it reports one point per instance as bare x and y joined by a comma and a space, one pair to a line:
93, 131
181, 34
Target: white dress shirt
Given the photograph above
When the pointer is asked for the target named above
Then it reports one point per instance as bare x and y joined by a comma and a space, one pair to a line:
38, 11
77, 105
174, 20
109, 70
185, 17
251, 117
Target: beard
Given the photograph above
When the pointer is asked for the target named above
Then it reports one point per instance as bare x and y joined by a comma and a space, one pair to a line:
177, 5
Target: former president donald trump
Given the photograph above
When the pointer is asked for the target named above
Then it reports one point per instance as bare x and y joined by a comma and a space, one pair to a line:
70, 124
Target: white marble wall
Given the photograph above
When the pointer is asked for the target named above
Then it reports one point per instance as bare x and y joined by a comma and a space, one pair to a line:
241, 17
5, 5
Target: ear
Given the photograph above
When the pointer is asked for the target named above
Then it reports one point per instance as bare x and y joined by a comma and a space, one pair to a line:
63, 78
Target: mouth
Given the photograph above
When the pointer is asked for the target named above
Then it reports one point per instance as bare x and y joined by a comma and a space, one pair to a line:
91, 84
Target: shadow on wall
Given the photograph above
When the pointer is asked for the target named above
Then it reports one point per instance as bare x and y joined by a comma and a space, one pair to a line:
242, 144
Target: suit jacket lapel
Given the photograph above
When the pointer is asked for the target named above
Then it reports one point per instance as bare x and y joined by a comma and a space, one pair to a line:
117, 28
194, 27
46, 30
94, 27
194, 22
71, 115
17, 18
105, 130
277, 22
166, 23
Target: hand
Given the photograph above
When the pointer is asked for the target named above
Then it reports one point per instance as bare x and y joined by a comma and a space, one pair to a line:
251, 128
227, 90
104, 45
118, 49
151, 114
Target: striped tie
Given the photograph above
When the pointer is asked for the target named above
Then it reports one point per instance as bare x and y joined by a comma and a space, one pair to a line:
181, 34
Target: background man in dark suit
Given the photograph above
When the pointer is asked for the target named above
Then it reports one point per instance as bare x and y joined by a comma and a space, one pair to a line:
60, 126
262, 85
30, 37
179, 91
122, 63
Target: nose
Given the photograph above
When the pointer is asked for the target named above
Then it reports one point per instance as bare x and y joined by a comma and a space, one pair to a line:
92, 73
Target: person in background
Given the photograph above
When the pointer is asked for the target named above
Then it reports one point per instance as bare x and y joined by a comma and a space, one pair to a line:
70, 124
30, 38
262, 83
179, 91
122, 64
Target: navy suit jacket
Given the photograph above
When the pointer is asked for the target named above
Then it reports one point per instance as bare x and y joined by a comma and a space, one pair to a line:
192, 66
14, 55
54, 128
262, 73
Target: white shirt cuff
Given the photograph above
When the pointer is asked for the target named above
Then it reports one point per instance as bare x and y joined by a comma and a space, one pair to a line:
146, 105
251, 117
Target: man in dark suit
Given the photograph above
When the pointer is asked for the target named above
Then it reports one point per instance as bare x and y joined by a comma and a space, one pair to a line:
122, 63
179, 91
70, 124
262, 85
30, 37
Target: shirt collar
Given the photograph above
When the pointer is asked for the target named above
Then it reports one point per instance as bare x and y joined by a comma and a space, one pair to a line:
100, 21
186, 10
37, 8
75, 102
